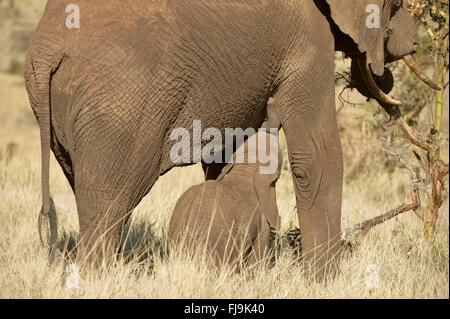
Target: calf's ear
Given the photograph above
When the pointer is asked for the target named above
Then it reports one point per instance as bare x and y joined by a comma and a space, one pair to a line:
365, 23
225, 171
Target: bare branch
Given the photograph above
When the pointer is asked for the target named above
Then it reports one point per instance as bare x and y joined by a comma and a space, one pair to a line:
413, 170
351, 237
413, 136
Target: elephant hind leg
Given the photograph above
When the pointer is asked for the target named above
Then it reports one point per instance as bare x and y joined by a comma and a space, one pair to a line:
103, 213
101, 222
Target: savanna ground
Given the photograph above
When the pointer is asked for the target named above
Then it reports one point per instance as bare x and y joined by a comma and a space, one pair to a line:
410, 266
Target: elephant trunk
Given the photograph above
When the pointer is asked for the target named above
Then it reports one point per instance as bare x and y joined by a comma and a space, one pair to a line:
372, 86
409, 61
377, 87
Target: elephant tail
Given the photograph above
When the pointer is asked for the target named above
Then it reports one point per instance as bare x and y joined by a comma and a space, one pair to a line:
38, 78
47, 217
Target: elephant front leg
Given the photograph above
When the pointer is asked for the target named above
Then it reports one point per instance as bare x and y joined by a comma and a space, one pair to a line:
316, 164
315, 157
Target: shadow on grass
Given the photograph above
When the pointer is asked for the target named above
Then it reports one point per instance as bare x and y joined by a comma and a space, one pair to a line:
139, 243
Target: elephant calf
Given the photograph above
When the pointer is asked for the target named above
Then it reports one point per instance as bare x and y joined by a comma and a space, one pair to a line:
231, 216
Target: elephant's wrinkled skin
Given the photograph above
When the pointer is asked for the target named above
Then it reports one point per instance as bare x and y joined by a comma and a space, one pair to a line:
232, 216
109, 94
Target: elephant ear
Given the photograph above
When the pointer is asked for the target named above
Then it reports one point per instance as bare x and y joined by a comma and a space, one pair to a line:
264, 182
265, 190
225, 171
356, 19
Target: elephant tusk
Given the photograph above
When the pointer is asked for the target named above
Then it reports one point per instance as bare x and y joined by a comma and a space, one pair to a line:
409, 61
377, 93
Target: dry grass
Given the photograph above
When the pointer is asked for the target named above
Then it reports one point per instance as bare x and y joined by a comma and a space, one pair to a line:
409, 266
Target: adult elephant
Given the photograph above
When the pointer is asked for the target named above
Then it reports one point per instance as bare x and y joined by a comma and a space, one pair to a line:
109, 91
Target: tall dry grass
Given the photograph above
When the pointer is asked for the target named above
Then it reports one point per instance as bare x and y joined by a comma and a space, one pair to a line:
409, 266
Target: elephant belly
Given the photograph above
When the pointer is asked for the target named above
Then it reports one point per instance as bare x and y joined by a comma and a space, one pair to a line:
221, 110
